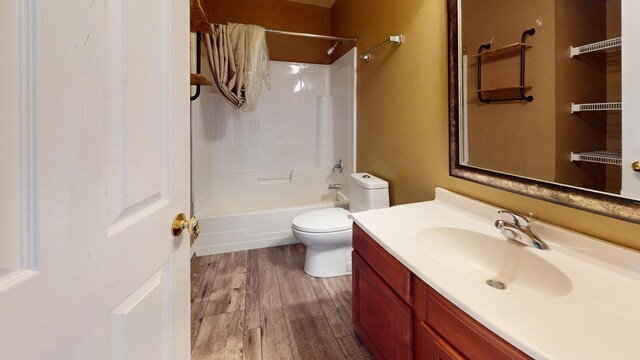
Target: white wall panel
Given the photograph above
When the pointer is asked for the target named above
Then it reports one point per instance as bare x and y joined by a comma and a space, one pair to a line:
143, 126
343, 91
630, 95
282, 153
278, 155
138, 134
10, 136
253, 172
18, 246
138, 324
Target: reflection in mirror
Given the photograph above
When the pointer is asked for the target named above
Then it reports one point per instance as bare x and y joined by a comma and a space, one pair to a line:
536, 139
536, 101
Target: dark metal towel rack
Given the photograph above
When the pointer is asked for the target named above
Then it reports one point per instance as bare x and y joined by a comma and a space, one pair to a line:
485, 51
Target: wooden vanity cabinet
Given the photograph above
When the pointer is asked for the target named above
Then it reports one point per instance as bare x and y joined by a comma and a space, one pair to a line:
382, 317
400, 317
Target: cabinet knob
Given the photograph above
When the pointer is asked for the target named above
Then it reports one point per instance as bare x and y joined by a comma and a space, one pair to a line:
636, 166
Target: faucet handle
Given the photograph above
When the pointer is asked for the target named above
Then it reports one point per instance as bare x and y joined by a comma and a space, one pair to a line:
517, 217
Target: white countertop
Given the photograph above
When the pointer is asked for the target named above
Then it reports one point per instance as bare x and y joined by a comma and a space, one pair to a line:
597, 318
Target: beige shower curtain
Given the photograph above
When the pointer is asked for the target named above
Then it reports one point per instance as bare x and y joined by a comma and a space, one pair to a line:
239, 59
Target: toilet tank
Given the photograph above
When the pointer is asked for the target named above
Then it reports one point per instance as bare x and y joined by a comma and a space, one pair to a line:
367, 192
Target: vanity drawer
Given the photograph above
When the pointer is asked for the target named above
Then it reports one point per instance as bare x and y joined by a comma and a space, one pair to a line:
468, 336
386, 266
430, 346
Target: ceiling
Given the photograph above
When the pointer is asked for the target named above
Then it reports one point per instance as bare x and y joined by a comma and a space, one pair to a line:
323, 3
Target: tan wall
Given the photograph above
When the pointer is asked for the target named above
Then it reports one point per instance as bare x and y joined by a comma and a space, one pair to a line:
402, 114
279, 15
515, 127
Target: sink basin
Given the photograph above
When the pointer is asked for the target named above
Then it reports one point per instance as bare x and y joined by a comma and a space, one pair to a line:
482, 257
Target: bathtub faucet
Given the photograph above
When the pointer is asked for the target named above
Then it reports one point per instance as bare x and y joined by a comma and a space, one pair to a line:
335, 186
339, 166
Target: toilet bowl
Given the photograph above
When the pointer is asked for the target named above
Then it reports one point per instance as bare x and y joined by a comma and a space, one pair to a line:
327, 235
327, 232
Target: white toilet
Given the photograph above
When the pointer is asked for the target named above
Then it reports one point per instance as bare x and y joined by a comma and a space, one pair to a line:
327, 232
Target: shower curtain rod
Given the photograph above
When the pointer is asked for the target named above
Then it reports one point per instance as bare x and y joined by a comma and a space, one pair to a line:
314, 36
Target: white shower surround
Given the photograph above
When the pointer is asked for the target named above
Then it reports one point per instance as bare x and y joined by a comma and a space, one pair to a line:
254, 172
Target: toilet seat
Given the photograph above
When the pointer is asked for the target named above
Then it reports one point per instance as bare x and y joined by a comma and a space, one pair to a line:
323, 221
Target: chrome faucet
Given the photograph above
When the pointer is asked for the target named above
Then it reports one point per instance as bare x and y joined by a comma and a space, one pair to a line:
520, 230
335, 186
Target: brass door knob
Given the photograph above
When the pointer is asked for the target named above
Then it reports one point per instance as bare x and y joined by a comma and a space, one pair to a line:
181, 223
636, 166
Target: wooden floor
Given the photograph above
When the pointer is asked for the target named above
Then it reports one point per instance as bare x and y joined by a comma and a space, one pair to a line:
259, 304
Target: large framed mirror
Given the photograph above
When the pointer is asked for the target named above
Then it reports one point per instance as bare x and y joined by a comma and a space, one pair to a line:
535, 102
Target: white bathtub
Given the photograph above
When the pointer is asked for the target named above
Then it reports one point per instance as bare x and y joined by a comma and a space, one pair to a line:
252, 230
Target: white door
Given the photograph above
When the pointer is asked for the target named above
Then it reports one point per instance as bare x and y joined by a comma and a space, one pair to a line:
94, 102
630, 98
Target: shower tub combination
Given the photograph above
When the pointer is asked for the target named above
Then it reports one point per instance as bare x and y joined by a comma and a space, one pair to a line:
254, 172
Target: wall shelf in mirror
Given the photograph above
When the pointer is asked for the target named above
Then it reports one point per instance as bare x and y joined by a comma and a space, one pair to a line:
599, 157
597, 46
502, 50
609, 106
508, 88
484, 51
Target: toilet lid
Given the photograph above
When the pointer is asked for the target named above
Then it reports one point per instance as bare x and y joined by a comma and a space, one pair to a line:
325, 220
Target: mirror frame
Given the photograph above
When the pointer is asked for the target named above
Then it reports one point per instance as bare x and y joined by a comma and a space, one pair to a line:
593, 201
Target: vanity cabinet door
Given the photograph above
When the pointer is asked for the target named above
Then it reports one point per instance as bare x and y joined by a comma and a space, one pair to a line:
454, 328
430, 346
381, 317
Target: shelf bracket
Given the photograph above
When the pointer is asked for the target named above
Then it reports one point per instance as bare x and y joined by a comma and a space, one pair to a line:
609, 106
198, 66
